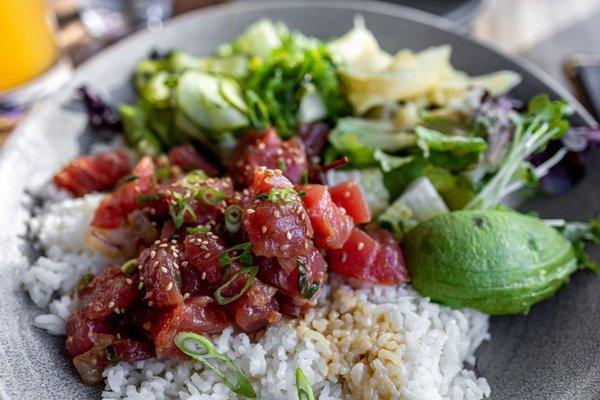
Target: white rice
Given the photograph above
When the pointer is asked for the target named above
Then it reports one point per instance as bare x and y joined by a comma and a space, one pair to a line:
422, 352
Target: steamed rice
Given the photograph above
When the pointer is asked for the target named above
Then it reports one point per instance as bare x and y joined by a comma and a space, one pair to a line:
359, 343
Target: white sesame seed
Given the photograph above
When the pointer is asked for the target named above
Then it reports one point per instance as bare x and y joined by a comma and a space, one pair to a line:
278, 171
157, 242
184, 263
150, 303
140, 285
129, 281
163, 245
305, 245
111, 304
360, 246
155, 264
203, 247
117, 311
277, 214
207, 255
152, 254
169, 286
173, 241
164, 269
263, 229
288, 235
302, 216
203, 276
250, 211
346, 194
118, 336
285, 246
185, 296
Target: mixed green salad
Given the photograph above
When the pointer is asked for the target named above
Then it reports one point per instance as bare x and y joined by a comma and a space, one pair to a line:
438, 154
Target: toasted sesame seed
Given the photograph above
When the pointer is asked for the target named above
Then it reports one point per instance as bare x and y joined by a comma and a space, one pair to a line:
305, 245
140, 285
173, 241
111, 304
263, 229
163, 245
203, 247
346, 194
169, 286
288, 235
343, 210
148, 295
184, 263
277, 214
152, 254
155, 264
147, 325
123, 310
203, 276
129, 281
186, 295
94, 361
118, 336
302, 216
140, 267
344, 257
207, 255
117, 311
157, 242
250, 211
360, 246
164, 269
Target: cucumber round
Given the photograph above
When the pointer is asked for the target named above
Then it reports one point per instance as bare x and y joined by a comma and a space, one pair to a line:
499, 262
212, 102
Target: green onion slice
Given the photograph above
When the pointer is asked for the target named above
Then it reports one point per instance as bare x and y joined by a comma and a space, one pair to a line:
198, 229
129, 266
147, 198
250, 271
178, 213
201, 349
245, 257
304, 177
210, 196
233, 218
127, 179
195, 176
305, 391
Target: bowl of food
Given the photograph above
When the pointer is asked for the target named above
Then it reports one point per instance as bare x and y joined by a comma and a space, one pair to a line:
283, 200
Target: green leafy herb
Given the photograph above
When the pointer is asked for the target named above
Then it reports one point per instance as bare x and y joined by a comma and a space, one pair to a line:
229, 256
210, 196
127, 179
129, 266
544, 121
111, 355
233, 218
580, 233
306, 288
452, 152
202, 350
305, 391
85, 282
250, 271
198, 229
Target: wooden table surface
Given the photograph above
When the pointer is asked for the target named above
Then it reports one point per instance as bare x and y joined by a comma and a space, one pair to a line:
544, 31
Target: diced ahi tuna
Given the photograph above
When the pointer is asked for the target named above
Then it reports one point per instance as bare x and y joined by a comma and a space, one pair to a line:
130, 350
113, 210
83, 332
266, 149
198, 314
349, 196
160, 265
374, 257
93, 173
331, 225
188, 158
256, 308
202, 253
111, 291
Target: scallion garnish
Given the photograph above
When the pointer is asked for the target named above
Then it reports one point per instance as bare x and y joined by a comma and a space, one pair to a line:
178, 212
233, 218
162, 174
307, 289
250, 271
196, 230
129, 266
245, 257
281, 165
201, 349
195, 176
305, 391
127, 179
210, 196
147, 198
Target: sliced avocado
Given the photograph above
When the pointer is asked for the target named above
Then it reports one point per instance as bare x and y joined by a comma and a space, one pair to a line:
499, 262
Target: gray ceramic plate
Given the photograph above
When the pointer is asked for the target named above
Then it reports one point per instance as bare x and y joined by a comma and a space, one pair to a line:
554, 353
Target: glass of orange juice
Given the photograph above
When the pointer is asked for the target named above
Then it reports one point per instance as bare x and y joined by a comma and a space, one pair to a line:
30, 61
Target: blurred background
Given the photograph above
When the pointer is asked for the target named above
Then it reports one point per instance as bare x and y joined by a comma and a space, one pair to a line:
42, 41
